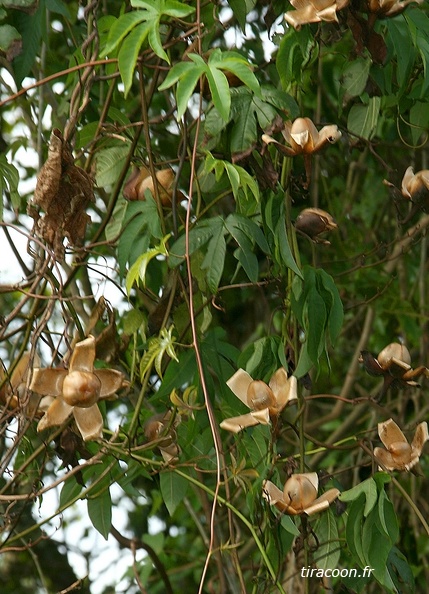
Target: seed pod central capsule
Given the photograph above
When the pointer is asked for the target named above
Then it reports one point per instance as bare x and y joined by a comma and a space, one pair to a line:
81, 388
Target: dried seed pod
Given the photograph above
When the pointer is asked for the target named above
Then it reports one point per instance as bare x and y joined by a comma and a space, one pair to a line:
300, 490
394, 353
415, 187
140, 180
259, 395
314, 221
81, 388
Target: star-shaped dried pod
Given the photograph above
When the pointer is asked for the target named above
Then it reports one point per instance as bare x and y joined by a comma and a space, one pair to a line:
394, 364
415, 187
313, 11
141, 180
389, 8
13, 392
399, 454
303, 138
161, 428
265, 401
77, 390
313, 222
299, 495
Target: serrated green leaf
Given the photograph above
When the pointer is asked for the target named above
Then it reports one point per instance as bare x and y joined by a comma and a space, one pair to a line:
100, 512
173, 489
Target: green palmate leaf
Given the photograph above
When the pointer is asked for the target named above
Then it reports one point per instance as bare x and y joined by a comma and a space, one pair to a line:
133, 28
363, 119
238, 65
156, 349
238, 177
128, 54
249, 262
186, 87
239, 225
328, 551
219, 90
173, 489
297, 49
100, 512
172, 8
121, 27
137, 272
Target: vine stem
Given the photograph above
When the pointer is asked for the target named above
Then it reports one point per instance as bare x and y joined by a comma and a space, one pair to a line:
208, 404
243, 518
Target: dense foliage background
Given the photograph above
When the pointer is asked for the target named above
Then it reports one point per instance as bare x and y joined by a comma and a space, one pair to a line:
211, 270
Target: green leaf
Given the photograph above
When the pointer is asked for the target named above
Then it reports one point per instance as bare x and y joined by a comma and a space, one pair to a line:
128, 54
283, 247
363, 119
10, 41
368, 488
198, 237
173, 489
120, 29
109, 163
70, 492
186, 87
214, 260
171, 8
355, 77
241, 8
137, 271
354, 527
327, 554
100, 512
238, 65
335, 308
219, 89
316, 314
9, 180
